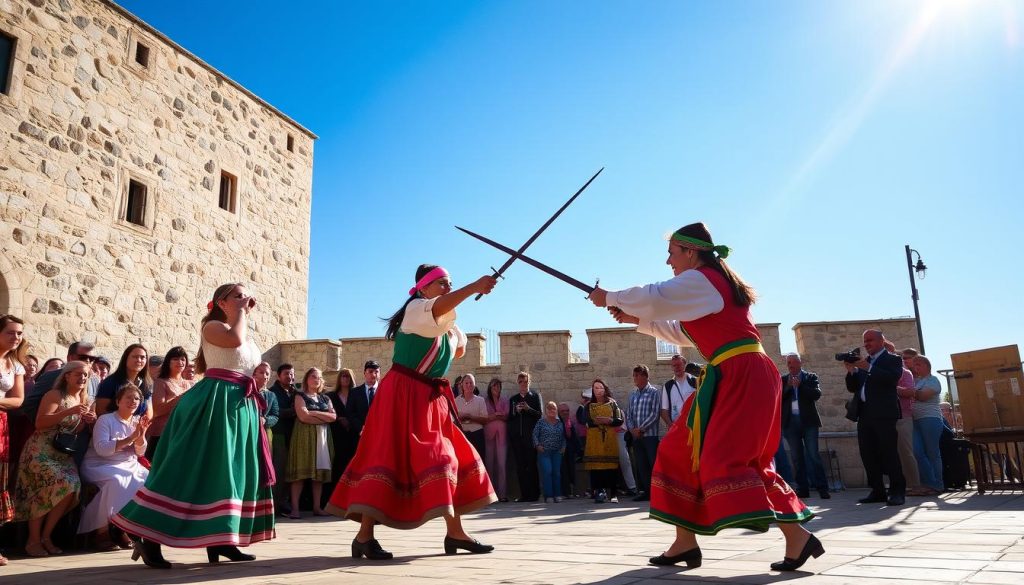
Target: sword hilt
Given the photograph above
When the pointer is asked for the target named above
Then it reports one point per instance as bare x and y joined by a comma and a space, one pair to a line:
496, 275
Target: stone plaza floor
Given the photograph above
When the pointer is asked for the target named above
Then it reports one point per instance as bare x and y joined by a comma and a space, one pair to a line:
958, 538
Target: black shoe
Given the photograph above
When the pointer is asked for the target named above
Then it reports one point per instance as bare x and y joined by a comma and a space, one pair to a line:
895, 501
526, 500
813, 548
823, 494
231, 553
872, 499
642, 498
451, 545
150, 553
693, 559
370, 549
629, 492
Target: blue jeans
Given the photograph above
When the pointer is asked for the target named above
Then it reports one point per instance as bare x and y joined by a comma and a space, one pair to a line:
803, 442
927, 432
550, 463
782, 466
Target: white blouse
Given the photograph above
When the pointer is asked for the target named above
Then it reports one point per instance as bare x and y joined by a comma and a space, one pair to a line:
662, 305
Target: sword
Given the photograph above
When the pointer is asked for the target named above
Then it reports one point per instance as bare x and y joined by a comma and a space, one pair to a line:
498, 273
538, 265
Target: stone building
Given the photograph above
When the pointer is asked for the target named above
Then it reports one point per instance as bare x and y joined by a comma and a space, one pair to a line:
135, 178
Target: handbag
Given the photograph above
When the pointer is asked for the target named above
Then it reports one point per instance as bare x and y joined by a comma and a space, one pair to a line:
71, 443
853, 408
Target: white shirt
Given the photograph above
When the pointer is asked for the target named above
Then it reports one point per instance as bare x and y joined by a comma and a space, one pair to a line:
681, 390
662, 305
874, 356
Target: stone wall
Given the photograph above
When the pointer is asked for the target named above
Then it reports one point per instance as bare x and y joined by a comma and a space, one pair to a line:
81, 119
817, 343
613, 353
544, 354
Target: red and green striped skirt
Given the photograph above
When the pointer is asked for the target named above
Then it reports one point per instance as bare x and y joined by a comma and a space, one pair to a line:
204, 488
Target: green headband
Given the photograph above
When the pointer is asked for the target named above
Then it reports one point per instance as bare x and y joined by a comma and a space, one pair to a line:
698, 244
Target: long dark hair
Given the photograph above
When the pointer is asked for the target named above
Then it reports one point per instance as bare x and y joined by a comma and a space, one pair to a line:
396, 320
494, 382
122, 369
174, 353
214, 314
742, 293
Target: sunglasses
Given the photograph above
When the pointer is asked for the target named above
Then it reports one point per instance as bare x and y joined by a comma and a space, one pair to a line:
87, 358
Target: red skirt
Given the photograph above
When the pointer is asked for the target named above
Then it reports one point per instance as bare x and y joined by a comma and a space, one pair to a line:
735, 485
413, 463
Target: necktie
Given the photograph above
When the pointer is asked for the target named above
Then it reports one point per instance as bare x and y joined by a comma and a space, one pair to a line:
370, 393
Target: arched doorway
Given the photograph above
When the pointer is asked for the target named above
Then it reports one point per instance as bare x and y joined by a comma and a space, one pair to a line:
11, 292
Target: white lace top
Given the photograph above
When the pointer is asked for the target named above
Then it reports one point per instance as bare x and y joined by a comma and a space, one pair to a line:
7, 378
242, 359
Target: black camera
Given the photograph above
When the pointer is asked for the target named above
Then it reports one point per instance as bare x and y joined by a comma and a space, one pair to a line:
849, 357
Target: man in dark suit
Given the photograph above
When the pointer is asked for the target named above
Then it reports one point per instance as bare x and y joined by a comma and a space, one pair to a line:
361, 397
800, 424
873, 384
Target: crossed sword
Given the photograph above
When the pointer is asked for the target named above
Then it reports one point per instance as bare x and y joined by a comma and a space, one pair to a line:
518, 254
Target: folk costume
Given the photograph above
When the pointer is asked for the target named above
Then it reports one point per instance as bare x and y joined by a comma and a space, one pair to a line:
413, 463
212, 473
714, 468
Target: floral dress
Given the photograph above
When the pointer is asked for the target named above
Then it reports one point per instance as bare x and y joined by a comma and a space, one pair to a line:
45, 475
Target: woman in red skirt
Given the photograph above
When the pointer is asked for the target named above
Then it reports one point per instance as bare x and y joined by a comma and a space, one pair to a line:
413, 463
714, 470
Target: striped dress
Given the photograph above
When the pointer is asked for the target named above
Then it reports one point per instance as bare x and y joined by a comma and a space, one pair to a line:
205, 487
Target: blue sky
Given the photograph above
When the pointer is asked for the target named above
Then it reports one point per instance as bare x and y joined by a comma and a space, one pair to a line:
814, 138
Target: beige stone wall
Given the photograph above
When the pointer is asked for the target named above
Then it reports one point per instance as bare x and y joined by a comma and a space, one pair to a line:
817, 344
81, 119
613, 353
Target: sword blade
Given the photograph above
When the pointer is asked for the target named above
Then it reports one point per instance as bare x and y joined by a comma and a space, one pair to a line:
515, 255
536, 264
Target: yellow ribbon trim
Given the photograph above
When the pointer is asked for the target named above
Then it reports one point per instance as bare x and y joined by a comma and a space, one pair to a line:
697, 430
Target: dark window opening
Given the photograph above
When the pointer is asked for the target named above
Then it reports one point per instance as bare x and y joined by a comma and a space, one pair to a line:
228, 191
291, 143
135, 211
6, 61
142, 54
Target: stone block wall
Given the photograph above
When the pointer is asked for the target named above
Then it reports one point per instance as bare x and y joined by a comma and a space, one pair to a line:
81, 119
817, 344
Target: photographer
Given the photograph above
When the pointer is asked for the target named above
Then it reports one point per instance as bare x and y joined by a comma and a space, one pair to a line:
873, 383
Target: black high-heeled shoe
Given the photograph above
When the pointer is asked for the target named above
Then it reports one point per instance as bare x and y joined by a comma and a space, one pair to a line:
451, 545
371, 549
150, 553
231, 553
693, 558
813, 548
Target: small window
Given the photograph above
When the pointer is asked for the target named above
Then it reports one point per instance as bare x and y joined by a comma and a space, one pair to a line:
6, 61
228, 191
135, 211
291, 143
142, 54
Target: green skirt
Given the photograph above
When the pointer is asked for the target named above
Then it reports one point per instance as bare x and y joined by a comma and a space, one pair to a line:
309, 444
204, 488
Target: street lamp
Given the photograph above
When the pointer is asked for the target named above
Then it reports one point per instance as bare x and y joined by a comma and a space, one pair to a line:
920, 268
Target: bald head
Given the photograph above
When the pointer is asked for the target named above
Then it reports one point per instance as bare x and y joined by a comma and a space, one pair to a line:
873, 341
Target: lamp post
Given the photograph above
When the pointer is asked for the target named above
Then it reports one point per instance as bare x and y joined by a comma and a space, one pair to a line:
920, 268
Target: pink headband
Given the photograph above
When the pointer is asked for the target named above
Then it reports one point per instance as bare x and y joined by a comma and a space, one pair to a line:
427, 279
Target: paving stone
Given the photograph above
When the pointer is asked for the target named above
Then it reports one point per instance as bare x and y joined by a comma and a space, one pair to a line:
948, 541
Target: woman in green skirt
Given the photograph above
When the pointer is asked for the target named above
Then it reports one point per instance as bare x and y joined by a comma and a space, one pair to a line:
211, 477
311, 450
